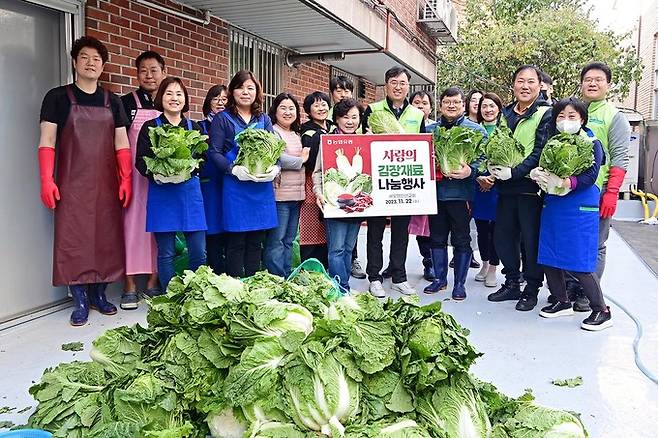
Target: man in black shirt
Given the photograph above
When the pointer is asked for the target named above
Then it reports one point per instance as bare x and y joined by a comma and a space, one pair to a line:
140, 246
83, 126
150, 73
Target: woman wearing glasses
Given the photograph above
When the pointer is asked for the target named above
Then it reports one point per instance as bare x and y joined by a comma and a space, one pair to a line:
211, 180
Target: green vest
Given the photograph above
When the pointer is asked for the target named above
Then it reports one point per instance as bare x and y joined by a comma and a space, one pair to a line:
527, 128
411, 117
599, 120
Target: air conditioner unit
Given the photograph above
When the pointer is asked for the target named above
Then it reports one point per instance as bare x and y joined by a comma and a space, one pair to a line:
439, 18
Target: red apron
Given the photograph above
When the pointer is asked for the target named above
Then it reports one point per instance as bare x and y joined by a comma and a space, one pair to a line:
141, 250
88, 227
311, 227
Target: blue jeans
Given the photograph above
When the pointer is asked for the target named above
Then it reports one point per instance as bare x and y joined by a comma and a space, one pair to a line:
278, 245
341, 238
196, 247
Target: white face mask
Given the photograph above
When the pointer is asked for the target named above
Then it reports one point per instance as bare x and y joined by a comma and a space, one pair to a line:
569, 126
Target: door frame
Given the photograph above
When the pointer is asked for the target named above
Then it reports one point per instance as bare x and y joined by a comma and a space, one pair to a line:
73, 25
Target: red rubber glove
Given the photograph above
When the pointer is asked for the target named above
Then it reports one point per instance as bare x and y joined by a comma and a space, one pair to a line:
611, 195
125, 173
49, 190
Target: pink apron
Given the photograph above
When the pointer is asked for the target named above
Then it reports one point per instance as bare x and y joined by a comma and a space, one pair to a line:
141, 250
419, 225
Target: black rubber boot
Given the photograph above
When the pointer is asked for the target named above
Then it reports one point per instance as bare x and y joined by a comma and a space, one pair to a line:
440, 262
462, 262
98, 301
80, 313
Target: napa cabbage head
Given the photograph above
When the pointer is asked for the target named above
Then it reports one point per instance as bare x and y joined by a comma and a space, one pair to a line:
259, 150
455, 147
455, 409
321, 395
287, 323
388, 428
533, 421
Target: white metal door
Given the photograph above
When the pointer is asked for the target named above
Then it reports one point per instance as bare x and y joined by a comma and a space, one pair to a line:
31, 42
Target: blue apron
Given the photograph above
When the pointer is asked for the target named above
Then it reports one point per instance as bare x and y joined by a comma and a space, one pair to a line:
569, 231
175, 207
211, 188
246, 205
484, 204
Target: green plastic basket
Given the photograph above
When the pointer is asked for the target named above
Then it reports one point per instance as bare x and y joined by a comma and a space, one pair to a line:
314, 265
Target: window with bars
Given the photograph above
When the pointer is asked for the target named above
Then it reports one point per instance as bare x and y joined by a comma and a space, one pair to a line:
265, 60
338, 72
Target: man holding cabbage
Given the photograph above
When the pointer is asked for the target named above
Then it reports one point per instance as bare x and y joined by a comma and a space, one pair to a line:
613, 130
519, 204
457, 149
410, 120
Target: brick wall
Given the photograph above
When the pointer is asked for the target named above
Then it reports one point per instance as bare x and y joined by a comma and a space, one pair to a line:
197, 53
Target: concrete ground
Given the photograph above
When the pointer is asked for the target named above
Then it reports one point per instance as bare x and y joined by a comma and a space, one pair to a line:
642, 238
521, 350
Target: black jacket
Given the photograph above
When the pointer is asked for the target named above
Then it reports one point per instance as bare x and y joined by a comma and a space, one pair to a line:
521, 182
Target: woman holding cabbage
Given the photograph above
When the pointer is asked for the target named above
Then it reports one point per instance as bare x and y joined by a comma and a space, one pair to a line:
568, 239
288, 187
486, 196
244, 150
341, 233
174, 202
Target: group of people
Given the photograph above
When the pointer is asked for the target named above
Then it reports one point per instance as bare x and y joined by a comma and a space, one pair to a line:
239, 223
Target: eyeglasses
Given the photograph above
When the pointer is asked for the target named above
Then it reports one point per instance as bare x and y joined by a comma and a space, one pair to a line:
219, 100
593, 80
452, 102
396, 84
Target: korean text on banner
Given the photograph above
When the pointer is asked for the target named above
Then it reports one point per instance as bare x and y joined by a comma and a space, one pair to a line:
378, 175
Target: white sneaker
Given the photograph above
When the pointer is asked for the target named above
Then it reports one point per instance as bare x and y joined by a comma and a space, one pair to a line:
357, 271
376, 289
403, 288
482, 275
490, 279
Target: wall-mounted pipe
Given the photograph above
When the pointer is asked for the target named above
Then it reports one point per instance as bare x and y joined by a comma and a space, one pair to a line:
206, 14
293, 60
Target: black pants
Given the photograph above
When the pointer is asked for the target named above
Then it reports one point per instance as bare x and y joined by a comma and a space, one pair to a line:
314, 252
398, 253
486, 243
453, 218
216, 252
556, 279
517, 220
355, 253
243, 253
425, 248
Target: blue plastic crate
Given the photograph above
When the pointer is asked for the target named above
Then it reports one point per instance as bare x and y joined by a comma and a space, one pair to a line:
26, 433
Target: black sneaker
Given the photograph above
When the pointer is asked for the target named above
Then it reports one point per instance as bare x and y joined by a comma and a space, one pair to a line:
581, 304
597, 321
507, 292
526, 303
152, 292
551, 299
475, 264
129, 301
557, 309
